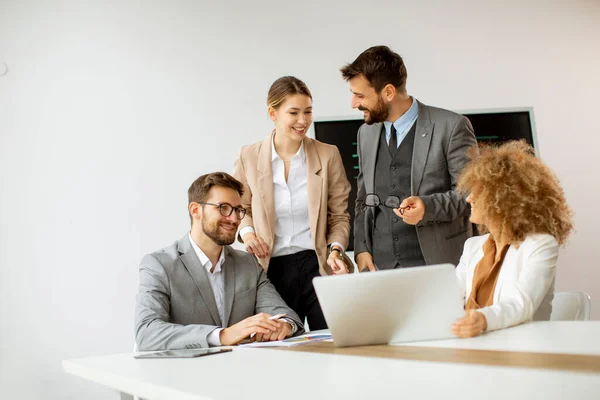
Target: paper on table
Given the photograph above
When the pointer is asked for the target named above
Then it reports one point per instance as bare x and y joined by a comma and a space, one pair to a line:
294, 341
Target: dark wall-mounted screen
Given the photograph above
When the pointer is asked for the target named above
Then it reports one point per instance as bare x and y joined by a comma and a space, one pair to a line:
500, 127
491, 127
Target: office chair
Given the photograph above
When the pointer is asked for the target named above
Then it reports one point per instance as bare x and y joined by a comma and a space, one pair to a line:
571, 306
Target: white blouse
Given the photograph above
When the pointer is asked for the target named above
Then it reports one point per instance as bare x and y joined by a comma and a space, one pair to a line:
292, 224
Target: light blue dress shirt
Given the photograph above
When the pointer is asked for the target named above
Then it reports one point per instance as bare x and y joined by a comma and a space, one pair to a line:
402, 124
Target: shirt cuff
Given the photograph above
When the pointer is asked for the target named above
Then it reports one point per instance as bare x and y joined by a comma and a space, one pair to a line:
292, 323
338, 245
247, 229
214, 338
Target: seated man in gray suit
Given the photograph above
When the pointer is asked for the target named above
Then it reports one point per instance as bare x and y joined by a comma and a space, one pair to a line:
200, 292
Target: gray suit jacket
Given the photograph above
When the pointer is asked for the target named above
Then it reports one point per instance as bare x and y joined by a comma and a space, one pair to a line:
442, 139
176, 307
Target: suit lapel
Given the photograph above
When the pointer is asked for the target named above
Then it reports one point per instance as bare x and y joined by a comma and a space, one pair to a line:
265, 182
229, 284
423, 134
314, 184
199, 275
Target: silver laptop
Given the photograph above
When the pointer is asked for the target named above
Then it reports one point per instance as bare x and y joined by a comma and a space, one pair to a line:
400, 305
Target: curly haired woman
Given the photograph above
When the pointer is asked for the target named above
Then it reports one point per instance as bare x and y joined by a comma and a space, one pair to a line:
507, 276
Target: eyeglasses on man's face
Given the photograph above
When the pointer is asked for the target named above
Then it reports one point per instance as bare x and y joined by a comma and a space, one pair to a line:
373, 200
227, 209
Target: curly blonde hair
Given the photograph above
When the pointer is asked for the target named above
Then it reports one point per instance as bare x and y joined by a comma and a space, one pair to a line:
517, 193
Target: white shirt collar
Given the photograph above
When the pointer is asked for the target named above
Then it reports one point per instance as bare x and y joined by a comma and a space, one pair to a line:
300, 153
204, 260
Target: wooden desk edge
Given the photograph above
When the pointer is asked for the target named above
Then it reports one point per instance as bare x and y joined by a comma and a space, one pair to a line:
565, 362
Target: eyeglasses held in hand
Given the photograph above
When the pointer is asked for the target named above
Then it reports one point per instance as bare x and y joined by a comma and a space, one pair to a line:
227, 209
373, 200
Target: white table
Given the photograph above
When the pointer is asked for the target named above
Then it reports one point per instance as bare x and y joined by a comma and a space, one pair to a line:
248, 373
563, 337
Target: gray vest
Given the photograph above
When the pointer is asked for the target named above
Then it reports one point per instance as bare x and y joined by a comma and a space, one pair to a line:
395, 243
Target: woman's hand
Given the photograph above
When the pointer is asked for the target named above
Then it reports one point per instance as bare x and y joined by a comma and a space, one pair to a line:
255, 245
336, 262
473, 324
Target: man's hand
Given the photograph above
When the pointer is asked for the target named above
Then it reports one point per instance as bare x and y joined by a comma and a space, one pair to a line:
255, 245
259, 324
473, 324
284, 331
336, 262
364, 261
411, 210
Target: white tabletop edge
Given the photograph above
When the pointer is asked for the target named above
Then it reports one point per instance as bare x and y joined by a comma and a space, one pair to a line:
138, 388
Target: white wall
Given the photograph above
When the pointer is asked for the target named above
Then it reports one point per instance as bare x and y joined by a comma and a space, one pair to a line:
108, 113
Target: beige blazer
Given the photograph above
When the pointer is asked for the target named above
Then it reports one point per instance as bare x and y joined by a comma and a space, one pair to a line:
328, 190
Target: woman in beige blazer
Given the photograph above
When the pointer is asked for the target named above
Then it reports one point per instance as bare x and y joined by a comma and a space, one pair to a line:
296, 194
507, 276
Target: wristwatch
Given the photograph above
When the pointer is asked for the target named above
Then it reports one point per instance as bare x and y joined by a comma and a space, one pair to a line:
332, 249
291, 323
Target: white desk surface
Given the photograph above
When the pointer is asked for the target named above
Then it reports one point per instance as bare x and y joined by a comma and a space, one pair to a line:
561, 337
250, 373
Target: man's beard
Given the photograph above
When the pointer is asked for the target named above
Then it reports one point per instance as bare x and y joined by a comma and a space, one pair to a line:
215, 232
377, 114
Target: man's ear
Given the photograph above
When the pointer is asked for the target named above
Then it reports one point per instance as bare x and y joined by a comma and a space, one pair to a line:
389, 92
195, 210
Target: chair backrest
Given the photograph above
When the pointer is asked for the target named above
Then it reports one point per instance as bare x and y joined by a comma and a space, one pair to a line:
571, 306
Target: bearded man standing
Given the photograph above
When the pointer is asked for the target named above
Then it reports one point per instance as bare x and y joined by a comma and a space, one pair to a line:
407, 211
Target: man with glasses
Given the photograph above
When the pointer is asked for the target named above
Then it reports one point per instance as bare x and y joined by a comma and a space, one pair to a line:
407, 211
200, 292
